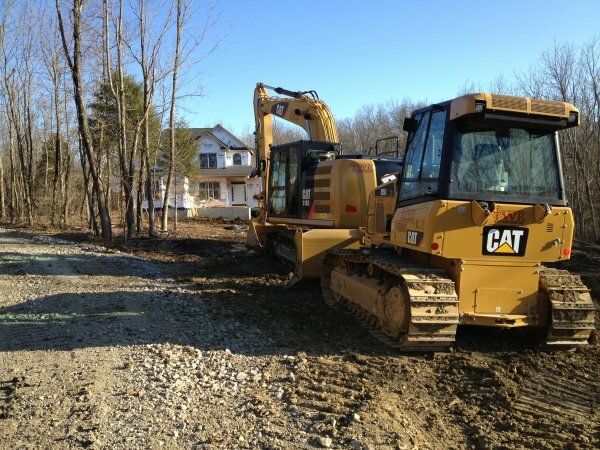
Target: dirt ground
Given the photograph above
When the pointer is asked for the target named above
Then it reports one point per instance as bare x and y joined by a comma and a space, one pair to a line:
194, 342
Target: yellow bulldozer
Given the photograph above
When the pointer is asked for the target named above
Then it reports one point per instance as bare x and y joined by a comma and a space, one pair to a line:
460, 236
314, 198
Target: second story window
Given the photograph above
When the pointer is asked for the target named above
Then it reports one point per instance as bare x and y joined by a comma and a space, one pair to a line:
208, 160
237, 159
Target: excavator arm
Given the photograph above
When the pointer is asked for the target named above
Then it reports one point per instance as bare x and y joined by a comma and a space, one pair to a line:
301, 108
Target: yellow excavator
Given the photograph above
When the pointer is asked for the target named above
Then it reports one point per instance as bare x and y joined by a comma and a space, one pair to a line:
479, 206
314, 198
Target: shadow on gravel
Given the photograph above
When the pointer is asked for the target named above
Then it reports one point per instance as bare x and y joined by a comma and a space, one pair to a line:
49, 264
211, 319
182, 246
94, 263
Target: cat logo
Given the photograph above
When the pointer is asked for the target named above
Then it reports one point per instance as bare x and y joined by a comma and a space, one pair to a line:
279, 109
504, 241
414, 238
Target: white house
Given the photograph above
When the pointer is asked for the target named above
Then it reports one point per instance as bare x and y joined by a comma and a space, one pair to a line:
226, 165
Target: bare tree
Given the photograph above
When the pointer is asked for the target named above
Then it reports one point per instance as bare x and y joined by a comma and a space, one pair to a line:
360, 133
181, 10
126, 154
56, 68
148, 60
18, 84
181, 57
74, 61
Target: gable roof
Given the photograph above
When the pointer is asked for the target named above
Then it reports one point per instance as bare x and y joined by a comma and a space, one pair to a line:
197, 132
221, 127
223, 145
214, 138
219, 141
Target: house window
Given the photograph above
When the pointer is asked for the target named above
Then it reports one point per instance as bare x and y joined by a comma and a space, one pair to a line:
209, 189
208, 160
237, 159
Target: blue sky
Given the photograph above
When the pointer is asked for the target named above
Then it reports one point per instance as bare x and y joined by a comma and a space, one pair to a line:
357, 52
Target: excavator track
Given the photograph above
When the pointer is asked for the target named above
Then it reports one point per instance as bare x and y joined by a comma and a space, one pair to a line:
281, 245
571, 310
415, 309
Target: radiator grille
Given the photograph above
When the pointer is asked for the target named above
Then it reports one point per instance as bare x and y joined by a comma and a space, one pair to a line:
506, 102
547, 107
550, 227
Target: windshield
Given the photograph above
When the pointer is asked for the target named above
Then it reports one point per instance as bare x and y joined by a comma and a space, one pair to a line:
509, 162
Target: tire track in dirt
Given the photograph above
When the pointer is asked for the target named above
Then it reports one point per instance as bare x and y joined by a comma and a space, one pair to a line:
533, 400
555, 405
331, 389
7, 395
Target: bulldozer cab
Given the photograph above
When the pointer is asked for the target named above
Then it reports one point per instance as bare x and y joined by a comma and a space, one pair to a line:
483, 154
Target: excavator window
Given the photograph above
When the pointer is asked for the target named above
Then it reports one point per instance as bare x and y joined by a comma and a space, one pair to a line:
284, 184
314, 156
414, 153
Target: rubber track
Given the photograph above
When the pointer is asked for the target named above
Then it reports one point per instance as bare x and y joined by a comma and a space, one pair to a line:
572, 309
428, 289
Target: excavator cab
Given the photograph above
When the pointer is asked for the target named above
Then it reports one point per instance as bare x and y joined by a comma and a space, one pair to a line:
291, 176
322, 195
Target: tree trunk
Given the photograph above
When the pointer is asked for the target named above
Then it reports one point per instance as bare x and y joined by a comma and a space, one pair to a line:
171, 171
65, 191
75, 64
57, 147
12, 195
88, 197
2, 207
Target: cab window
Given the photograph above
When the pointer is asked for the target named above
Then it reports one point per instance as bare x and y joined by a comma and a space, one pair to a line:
284, 184
278, 179
414, 154
433, 146
423, 156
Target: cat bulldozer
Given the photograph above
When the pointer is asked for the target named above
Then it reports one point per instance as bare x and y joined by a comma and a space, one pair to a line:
314, 198
478, 208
